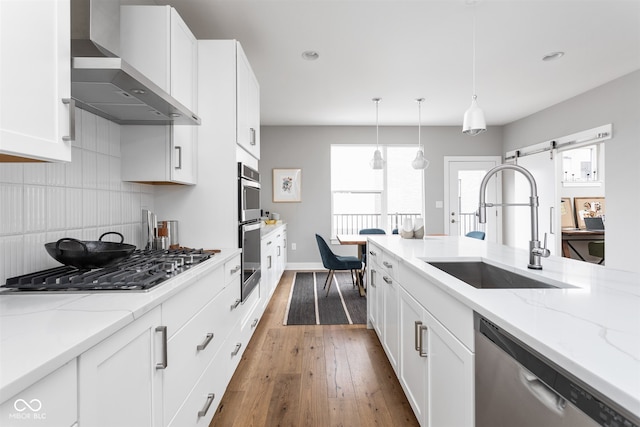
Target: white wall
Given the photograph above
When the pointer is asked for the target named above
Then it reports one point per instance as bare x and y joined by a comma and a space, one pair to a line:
43, 202
308, 147
617, 102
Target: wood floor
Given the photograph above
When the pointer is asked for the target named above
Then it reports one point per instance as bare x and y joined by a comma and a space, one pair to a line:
312, 376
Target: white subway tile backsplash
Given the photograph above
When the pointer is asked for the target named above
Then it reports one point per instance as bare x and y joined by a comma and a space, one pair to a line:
11, 255
42, 203
35, 208
89, 208
89, 169
56, 174
114, 139
102, 171
103, 210
73, 170
56, 208
89, 130
35, 173
11, 173
34, 255
74, 208
11, 209
102, 135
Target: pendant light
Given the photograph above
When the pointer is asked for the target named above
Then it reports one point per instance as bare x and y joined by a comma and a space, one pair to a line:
377, 162
420, 162
474, 122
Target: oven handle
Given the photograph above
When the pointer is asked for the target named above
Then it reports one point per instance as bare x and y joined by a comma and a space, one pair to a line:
248, 183
252, 226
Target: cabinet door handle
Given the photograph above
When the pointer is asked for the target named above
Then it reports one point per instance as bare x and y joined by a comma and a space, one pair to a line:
202, 412
422, 352
179, 149
279, 250
235, 269
373, 275
387, 264
235, 304
206, 342
252, 136
551, 221
165, 360
236, 349
387, 279
72, 119
269, 261
255, 322
416, 333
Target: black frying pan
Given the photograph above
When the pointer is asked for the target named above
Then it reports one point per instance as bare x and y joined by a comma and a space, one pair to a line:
89, 254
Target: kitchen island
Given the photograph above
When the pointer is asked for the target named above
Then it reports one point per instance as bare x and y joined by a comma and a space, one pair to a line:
591, 330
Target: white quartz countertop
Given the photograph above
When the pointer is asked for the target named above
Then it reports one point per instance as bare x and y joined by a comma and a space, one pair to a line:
592, 330
268, 230
41, 332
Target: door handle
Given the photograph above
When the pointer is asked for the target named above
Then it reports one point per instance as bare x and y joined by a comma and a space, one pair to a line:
72, 119
252, 136
422, 352
206, 342
236, 349
179, 149
207, 405
551, 220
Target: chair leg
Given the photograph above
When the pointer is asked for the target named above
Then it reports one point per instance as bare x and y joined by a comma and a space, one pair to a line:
353, 277
329, 281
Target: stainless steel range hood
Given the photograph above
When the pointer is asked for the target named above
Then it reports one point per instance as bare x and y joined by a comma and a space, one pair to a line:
103, 83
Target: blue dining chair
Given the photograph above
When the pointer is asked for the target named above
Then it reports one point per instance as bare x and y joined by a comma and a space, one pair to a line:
333, 262
476, 234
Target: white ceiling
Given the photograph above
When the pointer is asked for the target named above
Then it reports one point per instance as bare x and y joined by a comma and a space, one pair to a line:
400, 50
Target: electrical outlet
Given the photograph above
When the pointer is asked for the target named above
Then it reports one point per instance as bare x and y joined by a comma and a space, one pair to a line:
293, 246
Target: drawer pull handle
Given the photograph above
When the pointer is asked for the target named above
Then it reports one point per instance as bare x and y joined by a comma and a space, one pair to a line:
202, 412
416, 333
422, 352
237, 349
235, 269
206, 342
372, 253
165, 360
235, 304
255, 322
387, 264
387, 279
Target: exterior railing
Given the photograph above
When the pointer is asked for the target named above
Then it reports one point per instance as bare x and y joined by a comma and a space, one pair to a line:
353, 223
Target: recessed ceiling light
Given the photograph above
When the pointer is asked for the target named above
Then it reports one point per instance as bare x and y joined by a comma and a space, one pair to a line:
552, 56
310, 55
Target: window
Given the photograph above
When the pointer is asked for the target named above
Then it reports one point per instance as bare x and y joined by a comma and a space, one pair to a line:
582, 164
365, 198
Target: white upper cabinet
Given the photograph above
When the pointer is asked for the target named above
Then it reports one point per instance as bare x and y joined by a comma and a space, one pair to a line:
157, 42
35, 78
248, 105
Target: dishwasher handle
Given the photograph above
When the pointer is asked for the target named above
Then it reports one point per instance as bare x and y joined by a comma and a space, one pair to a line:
545, 394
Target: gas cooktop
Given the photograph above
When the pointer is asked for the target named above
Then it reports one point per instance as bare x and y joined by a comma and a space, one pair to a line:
142, 271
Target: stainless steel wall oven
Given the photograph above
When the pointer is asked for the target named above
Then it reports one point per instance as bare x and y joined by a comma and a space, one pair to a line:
249, 226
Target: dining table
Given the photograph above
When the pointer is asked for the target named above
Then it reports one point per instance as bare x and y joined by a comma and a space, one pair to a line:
361, 241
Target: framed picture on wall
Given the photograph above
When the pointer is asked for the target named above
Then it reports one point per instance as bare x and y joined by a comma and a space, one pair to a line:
568, 220
588, 207
287, 185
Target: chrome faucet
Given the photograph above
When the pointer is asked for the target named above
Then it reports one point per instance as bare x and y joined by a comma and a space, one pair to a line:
535, 251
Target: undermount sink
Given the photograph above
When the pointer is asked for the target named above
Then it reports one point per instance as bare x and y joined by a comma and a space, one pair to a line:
486, 276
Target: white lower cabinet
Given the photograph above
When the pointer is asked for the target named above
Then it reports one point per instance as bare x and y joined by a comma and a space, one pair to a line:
120, 379
436, 370
425, 335
52, 401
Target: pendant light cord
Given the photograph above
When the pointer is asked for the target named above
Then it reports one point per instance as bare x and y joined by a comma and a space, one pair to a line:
377, 101
473, 72
419, 121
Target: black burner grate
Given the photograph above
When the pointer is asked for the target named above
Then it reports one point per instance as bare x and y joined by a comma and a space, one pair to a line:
143, 270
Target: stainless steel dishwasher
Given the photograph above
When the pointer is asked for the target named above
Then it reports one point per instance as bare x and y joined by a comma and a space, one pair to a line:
517, 387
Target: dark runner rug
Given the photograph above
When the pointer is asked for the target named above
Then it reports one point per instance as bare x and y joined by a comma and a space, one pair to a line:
308, 305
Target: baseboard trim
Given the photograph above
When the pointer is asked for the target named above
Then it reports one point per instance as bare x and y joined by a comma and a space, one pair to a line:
304, 266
